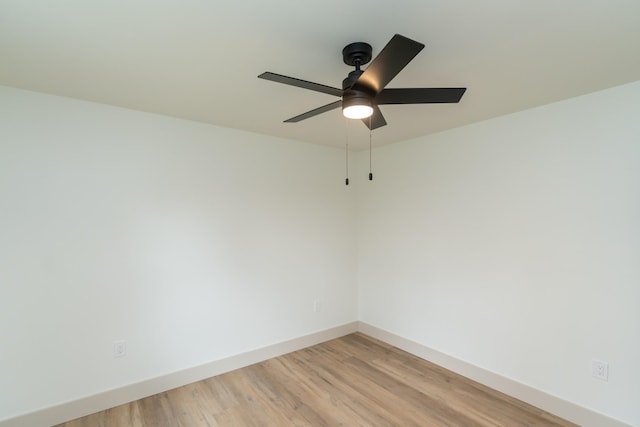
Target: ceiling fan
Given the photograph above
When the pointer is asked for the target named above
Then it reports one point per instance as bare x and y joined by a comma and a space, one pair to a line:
364, 90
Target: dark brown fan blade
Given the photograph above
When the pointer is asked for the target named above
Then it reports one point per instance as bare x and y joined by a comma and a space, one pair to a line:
420, 95
315, 112
389, 62
377, 119
291, 81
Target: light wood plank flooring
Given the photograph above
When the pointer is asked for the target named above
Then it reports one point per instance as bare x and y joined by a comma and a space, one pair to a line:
350, 381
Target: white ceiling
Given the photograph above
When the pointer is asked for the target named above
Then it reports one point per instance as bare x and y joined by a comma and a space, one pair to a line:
198, 59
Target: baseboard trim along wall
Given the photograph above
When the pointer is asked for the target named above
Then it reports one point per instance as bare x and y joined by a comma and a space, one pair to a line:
88, 405
98, 402
562, 408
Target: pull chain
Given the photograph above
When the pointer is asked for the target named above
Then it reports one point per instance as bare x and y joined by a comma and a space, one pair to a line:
346, 180
346, 150
370, 173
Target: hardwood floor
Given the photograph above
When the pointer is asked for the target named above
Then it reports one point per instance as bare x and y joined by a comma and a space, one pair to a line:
350, 381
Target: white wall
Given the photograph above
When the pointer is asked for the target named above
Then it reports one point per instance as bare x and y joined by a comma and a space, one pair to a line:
190, 242
514, 244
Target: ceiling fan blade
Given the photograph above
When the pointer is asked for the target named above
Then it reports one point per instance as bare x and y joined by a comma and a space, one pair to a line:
315, 112
377, 119
291, 81
420, 95
389, 62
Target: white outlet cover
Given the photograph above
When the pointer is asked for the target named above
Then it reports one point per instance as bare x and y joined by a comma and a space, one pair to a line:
600, 370
119, 348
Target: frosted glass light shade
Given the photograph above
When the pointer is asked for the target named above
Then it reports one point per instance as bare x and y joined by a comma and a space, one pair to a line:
357, 111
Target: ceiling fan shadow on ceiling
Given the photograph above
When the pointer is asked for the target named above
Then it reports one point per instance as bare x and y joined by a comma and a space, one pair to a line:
364, 90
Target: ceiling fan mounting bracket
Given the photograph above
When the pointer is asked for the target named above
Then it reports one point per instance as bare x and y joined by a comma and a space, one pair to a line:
356, 54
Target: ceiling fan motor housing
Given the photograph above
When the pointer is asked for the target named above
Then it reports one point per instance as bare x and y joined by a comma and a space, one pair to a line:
353, 94
356, 97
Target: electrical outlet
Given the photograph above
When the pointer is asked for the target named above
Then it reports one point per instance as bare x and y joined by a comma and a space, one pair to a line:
119, 348
600, 370
317, 306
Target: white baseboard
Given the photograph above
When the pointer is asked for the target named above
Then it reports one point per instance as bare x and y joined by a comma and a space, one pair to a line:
98, 402
108, 399
552, 404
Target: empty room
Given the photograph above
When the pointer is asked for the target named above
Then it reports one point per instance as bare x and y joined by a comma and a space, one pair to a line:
410, 213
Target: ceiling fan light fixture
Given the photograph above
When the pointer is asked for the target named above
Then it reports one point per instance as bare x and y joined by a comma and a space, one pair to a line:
357, 111
357, 107
363, 91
